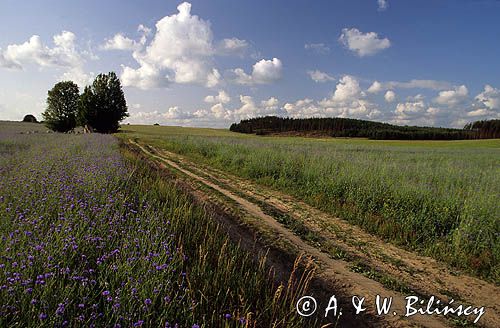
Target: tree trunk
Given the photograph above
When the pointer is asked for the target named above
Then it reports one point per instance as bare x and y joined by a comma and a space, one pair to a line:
88, 129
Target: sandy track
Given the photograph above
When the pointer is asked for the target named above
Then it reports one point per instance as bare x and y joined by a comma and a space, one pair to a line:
423, 274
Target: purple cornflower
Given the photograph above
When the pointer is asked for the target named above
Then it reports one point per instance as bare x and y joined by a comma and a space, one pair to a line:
105, 293
60, 309
227, 316
42, 316
138, 323
147, 301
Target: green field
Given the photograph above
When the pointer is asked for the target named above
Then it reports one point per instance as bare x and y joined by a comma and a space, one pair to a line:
440, 198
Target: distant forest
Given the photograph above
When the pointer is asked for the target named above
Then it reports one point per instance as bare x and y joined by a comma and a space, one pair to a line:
347, 127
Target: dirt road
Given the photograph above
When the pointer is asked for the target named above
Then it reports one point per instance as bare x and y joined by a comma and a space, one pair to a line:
356, 262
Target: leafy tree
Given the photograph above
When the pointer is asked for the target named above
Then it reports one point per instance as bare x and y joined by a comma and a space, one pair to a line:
62, 107
30, 119
102, 105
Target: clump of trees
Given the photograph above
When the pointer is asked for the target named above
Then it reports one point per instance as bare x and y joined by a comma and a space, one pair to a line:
30, 119
347, 127
100, 108
484, 129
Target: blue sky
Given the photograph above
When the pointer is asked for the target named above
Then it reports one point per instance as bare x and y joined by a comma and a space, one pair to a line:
211, 63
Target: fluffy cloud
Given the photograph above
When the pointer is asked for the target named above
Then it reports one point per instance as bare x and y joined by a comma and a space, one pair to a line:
347, 100
411, 107
390, 96
121, 42
453, 97
232, 46
33, 51
487, 104
416, 111
363, 44
64, 54
319, 48
382, 5
145, 31
220, 115
78, 75
303, 108
8, 63
481, 112
222, 97
263, 72
173, 115
376, 87
270, 105
181, 51
413, 111
490, 98
347, 90
318, 76
250, 109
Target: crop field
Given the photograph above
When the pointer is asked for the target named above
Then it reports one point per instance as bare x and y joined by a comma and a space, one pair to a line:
125, 230
91, 237
439, 198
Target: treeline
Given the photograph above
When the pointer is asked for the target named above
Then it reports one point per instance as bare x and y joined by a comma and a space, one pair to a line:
347, 127
484, 129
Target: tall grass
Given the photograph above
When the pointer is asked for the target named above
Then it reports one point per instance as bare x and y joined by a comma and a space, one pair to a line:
90, 238
441, 199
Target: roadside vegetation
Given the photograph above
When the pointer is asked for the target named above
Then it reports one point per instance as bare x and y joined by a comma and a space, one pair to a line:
439, 198
92, 237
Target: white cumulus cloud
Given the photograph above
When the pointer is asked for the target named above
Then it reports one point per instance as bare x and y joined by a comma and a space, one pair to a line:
363, 44
181, 51
121, 42
452, 97
376, 87
390, 96
347, 100
63, 55
33, 51
263, 72
222, 97
347, 90
490, 98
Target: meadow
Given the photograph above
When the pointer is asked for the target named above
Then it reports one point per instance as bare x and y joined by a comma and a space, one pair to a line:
439, 198
90, 236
